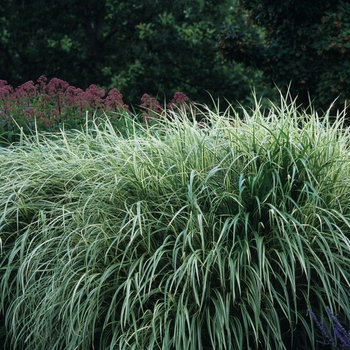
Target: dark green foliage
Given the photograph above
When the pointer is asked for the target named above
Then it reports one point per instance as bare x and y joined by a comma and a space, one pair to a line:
154, 47
2, 330
306, 42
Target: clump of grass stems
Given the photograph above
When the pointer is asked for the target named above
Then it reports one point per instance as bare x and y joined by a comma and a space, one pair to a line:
177, 236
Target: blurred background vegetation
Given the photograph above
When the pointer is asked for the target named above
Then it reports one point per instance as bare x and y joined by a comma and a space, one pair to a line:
139, 46
204, 48
301, 44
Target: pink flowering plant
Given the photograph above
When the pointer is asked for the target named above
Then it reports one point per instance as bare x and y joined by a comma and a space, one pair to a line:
48, 105
181, 103
152, 110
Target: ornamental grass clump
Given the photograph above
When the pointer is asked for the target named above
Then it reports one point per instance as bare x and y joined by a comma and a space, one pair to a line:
179, 236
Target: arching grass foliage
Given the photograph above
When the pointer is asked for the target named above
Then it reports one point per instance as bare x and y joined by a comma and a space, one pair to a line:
219, 235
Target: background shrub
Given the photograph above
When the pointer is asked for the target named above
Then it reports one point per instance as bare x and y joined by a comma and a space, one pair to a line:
304, 44
133, 46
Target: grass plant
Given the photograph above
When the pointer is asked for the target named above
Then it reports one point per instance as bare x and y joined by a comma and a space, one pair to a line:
218, 235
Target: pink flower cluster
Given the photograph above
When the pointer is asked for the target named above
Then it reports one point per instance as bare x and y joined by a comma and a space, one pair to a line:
49, 103
55, 100
152, 108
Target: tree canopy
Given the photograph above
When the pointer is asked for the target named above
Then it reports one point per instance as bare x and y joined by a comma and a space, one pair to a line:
305, 43
138, 46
